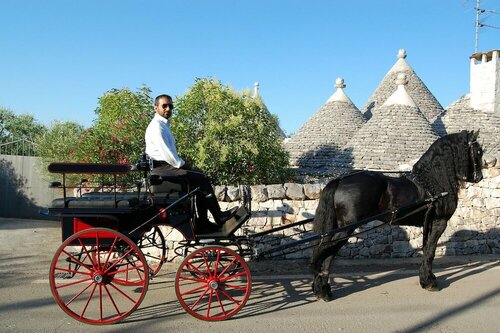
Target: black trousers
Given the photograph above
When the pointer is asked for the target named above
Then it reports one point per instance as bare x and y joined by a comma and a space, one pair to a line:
195, 178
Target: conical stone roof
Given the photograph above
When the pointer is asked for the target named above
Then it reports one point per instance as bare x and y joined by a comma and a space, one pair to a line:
461, 116
326, 132
426, 102
256, 96
393, 139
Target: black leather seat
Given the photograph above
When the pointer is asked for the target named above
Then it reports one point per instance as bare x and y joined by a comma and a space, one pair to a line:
102, 200
168, 187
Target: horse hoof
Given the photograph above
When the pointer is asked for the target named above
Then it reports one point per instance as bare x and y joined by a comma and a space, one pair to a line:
327, 297
325, 294
433, 287
324, 297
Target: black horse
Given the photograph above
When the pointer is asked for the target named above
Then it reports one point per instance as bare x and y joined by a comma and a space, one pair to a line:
361, 195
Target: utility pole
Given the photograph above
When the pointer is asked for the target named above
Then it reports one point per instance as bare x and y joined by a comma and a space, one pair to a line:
478, 12
480, 24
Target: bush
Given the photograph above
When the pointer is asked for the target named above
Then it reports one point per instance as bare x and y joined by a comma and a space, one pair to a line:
117, 135
58, 144
230, 136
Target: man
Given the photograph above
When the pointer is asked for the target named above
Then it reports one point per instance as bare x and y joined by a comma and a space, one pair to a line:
161, 148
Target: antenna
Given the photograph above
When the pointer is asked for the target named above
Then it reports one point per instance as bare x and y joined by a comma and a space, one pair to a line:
479, 24
478, 12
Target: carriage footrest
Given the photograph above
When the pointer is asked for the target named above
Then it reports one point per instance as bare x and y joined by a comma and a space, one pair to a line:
229, 228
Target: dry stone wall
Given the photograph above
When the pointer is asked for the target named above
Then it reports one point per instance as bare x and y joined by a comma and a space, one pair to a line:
473, 229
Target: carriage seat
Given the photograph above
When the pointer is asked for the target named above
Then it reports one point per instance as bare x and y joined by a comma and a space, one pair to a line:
103, 200
168, 186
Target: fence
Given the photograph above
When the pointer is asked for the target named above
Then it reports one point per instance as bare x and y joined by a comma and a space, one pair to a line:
20, 147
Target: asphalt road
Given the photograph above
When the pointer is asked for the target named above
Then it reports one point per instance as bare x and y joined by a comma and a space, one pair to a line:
371, 295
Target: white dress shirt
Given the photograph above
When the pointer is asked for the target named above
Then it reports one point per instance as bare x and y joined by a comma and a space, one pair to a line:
160, 142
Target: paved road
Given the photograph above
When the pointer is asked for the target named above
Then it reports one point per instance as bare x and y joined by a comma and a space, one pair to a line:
371, 295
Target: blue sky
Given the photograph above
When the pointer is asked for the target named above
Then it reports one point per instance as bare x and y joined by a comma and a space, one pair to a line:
58, 57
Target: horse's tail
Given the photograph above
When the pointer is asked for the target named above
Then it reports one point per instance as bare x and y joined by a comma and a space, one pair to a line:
325, 218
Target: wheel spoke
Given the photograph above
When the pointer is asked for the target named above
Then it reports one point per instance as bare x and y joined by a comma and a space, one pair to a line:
100, 301
121, 292
112, 300
78, 295
84, 247
217, 261
199, 299
119, 260
109, 252
59, 286
226, 268
233, 276
196, 270
88, 301
220, 303
191, 279
97, 249
76, 260
207, 266
187, 292
129, 267
209, 303
68, 270
230, 297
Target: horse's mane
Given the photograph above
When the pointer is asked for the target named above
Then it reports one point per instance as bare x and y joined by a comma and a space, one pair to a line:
441, 167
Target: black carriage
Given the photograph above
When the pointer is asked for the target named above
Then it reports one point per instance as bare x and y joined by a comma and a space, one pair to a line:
112, 246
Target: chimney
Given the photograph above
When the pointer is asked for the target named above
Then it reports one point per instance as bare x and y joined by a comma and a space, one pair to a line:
485, 81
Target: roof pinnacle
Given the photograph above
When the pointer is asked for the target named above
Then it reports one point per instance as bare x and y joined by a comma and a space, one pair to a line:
256, 89
339, 83
401, 96
339, 95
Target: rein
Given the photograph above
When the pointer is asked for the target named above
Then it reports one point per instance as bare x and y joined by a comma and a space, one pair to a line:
288, 248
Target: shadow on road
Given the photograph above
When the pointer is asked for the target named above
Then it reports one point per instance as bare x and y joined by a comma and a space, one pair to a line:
426, 325
271, 294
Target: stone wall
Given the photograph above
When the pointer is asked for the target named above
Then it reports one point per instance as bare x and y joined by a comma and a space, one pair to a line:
474, 228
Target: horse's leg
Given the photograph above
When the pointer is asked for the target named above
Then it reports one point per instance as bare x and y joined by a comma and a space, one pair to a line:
427, 278
321, 264
317, 264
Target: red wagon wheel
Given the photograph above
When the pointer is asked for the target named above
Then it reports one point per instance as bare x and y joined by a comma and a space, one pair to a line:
98, 276
213, 283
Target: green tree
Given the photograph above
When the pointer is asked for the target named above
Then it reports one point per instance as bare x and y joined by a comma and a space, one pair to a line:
231, 136
117, 134
19, 127
59, 143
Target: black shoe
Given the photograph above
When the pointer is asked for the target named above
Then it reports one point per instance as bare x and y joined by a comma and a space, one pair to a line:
205, 227
225, 216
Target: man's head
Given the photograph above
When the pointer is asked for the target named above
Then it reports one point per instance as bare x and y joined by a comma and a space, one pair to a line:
164, 106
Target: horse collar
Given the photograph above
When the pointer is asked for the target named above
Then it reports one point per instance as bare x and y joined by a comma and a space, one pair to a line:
415, 179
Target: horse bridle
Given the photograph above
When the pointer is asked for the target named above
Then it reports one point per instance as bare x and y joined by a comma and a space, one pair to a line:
473, 146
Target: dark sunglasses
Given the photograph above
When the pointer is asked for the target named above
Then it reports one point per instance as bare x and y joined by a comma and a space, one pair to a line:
168, 105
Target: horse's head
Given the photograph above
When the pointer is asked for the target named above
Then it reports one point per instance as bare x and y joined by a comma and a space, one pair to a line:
475, 151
